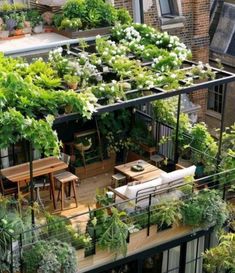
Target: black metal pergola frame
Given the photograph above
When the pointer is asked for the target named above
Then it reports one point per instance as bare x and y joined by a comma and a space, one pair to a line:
157, 93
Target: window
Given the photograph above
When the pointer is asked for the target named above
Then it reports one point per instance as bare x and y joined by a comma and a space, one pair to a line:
215, 97
168, 8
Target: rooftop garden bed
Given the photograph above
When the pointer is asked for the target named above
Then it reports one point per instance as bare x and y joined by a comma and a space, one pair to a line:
34, 94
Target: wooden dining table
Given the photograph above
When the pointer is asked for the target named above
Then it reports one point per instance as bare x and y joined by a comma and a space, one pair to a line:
126, 170
46, 166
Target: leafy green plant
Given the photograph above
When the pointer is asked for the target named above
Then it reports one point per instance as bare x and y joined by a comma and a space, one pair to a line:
123, 16
114, 238
71, 79
34, 17
74, 9
73, 24
221, 257
60, 229
166, 214
102, 198
205, 209
49, 256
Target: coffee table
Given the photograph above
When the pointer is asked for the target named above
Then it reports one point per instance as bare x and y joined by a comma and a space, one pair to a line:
141, 175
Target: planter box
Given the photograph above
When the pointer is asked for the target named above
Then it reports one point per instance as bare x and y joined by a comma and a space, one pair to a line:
96, 168
132, 156
84, 33
139, 241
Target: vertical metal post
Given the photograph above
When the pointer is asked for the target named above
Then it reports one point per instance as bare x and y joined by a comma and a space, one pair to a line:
31, 183
20, 253
94, 237
196, 260
12, 259
224, 97
141, 11
149, 214
176, 154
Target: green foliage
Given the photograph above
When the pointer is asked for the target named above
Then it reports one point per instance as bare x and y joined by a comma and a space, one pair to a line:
73, 24
15, 127
102, 198
221, 257
205, 146
228, 149
93, 13
123, 16
13, 221
114, 128
34, 17
60, 229
50, 256
205, 208
74, 9
166, 213
114, 238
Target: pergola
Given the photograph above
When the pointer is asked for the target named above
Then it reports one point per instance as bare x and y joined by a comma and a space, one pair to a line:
156, 93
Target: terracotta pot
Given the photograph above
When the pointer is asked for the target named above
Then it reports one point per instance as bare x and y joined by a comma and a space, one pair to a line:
19, 32
73, 86
27, 24
68, 109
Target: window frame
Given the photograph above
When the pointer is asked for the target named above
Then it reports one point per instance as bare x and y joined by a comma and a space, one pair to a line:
173, 5
216, 94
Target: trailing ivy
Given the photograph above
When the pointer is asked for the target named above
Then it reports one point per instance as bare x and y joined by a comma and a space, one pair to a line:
14, 127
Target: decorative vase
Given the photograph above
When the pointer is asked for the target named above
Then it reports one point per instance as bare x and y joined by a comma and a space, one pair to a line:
27, 30
38, 29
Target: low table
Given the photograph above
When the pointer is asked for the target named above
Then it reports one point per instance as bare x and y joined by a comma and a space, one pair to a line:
132, 175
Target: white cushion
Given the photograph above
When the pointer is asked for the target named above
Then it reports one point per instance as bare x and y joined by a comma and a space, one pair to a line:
121, 189
178, 175
131, 191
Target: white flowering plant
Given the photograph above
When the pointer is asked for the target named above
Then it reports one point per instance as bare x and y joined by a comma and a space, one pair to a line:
202, 71
109, 50
111, 91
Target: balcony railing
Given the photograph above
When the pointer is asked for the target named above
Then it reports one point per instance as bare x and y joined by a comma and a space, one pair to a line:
141, 217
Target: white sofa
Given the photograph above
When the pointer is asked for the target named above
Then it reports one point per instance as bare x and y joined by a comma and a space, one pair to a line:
164, 182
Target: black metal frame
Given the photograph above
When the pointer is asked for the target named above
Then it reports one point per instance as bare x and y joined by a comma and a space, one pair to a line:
222, 77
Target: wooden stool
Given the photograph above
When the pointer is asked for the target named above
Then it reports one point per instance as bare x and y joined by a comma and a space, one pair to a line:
118, 180
66, 178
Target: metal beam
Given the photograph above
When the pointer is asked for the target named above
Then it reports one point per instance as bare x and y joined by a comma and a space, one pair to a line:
176, 153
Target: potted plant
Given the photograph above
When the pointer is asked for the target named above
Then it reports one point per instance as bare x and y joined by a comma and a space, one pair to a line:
35, 19
4, 33
83, 144
205, 209
27, 27
60, 257
114, 237
72, 81
166, 214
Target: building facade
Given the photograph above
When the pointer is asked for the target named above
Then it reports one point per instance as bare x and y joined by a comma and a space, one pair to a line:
222, 48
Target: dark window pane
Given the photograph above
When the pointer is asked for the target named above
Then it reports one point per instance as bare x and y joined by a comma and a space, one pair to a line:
165, 7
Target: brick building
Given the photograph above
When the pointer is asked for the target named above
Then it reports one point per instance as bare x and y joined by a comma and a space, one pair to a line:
185, 18
222, 33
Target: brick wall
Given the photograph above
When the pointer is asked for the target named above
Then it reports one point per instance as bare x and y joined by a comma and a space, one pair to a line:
194, 33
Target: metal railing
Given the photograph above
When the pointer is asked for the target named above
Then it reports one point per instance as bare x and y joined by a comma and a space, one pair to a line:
55, 230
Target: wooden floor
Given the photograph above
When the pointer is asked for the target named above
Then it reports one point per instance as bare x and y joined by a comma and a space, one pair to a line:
86, 192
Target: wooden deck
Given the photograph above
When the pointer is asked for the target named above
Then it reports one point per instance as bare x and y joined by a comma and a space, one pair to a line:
86, 192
